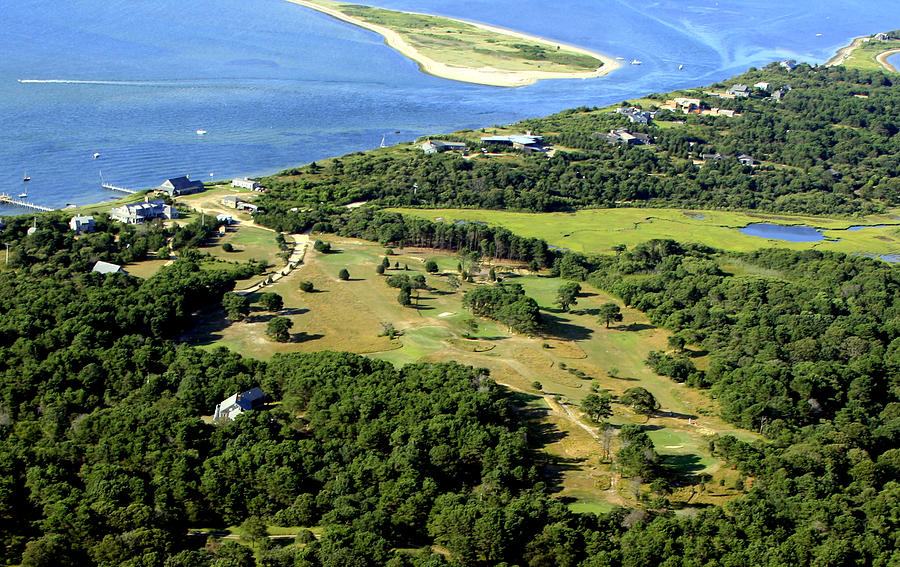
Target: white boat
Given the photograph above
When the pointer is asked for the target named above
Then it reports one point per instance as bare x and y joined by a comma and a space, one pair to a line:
680, 67
201, 132
636, 61
96, 155
620, 58
25, 177
383, 145
23, 194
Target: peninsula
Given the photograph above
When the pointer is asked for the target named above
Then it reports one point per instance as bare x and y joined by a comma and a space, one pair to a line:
869, 52
469, 51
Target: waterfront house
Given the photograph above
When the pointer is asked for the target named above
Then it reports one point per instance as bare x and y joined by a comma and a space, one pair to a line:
517, 141
739, 91
180, 186
746, 159
102, 267
245, 183
762, 85
81, 224
636, 115
236, 404
440, 146
139, 213
687, 105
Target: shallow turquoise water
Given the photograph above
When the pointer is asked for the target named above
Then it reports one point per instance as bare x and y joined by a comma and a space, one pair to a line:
276, 85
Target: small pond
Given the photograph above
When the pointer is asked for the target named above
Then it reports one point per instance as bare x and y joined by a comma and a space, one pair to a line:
797, 233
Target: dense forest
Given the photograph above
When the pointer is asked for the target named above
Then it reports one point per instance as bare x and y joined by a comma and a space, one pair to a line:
109, 455
828, 146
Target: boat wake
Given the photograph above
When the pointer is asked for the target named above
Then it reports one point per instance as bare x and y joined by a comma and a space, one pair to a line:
102, 82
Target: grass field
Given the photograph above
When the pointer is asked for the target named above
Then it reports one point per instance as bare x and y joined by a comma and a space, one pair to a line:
598, 230
863, 57
461, 44
347, 315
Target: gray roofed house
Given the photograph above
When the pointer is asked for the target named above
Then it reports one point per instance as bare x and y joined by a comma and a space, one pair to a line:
107, 268
180, 186
438, 146
739, 90
623, 136
138, 213
81, 224
789, 64
747, 159
236, 404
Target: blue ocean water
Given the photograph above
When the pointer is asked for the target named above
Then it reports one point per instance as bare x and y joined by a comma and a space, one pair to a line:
275, 84
894, 60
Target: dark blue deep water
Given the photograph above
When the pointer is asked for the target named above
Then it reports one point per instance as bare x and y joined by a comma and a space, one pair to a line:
276, 85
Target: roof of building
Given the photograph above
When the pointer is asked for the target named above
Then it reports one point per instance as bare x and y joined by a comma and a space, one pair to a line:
82, 218
244, 400
107, 268
523, 139
183, 182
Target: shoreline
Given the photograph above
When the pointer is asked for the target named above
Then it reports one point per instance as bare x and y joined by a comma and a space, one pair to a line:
882, 59
844, 53
484, 75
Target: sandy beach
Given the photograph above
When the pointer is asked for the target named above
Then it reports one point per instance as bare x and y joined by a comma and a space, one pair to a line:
482, 75
844, 52
882, 59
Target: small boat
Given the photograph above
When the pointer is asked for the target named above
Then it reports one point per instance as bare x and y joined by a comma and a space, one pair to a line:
620, 58
819, 35
201, 132
23, 194
636, 61
25, 177
383, 145
96, 155
680, 67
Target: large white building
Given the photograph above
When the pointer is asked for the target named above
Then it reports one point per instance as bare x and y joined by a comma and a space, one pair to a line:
142, 212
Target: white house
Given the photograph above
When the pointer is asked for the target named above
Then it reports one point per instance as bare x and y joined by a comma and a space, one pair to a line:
245, 183
141, 212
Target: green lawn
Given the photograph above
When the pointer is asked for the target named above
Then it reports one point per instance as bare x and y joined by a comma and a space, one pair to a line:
598, 230
864, 56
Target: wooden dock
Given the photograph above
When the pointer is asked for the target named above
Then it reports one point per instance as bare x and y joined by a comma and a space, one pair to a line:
112, 187
10, 200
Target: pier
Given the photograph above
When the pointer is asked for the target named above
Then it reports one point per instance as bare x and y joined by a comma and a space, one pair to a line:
112, 187
10, 200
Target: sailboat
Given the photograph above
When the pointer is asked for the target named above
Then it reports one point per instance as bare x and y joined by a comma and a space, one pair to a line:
23, 194
25, 177
383, 145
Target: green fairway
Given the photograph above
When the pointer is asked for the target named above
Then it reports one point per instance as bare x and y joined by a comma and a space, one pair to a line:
598, 230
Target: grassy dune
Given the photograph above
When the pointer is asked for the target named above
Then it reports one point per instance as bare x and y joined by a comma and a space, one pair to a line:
865, 56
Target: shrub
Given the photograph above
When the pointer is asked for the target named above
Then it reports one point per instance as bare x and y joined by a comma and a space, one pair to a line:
344, 274
307, 286
431, 267
323, 247
379, 269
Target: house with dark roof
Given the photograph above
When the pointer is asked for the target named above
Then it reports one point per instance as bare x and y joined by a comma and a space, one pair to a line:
236, 404
623, 136
180, 186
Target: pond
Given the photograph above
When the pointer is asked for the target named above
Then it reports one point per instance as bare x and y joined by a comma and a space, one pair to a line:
796, 233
